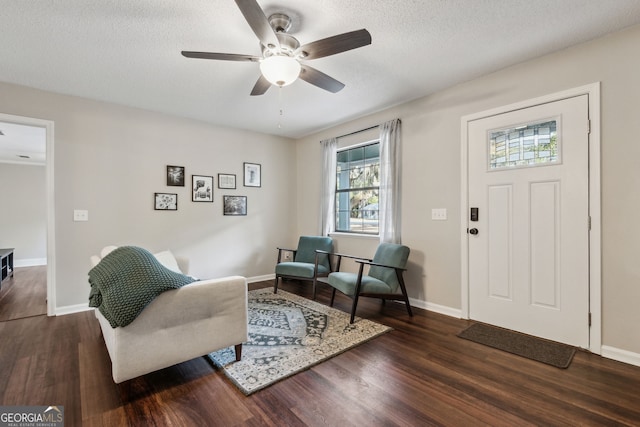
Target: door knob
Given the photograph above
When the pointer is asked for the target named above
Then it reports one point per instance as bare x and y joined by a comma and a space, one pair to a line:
473, 231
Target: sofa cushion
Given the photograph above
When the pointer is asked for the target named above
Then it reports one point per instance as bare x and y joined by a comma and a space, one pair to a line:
94, 260
127, 280
106, 250
167, 259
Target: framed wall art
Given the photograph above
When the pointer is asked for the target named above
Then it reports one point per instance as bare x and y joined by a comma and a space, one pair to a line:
165, 202
234, 205
252, 175
227, 181
201, 188
175, 176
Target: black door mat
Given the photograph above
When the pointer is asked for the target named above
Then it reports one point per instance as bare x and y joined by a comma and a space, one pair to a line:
541, 350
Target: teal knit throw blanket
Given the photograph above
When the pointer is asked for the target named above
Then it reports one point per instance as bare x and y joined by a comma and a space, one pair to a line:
126, 280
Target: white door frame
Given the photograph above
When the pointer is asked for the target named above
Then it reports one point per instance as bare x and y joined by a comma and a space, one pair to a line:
595, 244
51, 242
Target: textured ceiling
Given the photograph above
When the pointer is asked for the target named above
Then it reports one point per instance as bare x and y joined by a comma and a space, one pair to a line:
22, 144
128, 52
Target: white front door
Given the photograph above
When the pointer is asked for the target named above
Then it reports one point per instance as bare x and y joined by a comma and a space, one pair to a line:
529, 247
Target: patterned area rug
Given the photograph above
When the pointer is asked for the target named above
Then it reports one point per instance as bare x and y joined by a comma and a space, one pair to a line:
288, 334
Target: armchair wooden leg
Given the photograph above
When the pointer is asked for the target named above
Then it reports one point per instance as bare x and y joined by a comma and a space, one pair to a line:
406, 301
314, 289
353, 308
275, 286
404, 293
238, 349
333, 297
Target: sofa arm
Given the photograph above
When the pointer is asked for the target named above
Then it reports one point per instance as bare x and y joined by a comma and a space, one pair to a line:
179, 325
196, 301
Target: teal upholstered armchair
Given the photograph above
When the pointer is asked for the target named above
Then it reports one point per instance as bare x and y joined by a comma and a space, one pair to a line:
307, 264
383, 280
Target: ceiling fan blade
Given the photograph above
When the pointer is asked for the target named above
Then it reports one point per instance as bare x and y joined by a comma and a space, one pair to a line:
261, 86
320, 79
335, 44
221, 56
259, 23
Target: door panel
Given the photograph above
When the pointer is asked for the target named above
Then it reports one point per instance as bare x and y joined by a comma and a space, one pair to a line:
545, 244
499, 241
529, 262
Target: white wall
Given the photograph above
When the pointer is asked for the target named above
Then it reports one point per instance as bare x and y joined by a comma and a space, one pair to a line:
431, 172
111, 159
23, 213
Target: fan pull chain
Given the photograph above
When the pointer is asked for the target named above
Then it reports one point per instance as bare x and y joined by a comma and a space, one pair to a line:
280, 107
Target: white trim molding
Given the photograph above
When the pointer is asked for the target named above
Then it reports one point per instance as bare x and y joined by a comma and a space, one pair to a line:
623, 356
29, 262
436, 308
261, 278
595, 242
48, 125
71, 309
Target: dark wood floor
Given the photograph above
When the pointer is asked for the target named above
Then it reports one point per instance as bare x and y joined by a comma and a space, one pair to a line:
25, 294
418, 374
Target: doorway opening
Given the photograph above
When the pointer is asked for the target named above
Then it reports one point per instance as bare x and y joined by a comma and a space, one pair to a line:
48, 127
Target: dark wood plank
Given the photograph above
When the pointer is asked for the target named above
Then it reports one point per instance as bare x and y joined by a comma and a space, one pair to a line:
418, 374
25, 294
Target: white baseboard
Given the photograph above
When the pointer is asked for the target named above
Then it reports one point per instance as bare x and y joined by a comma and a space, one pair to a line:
70, 309
436, 308
623, 356
29, 262
261, 278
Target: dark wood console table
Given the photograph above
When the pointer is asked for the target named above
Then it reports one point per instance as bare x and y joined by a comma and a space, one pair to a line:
6, 256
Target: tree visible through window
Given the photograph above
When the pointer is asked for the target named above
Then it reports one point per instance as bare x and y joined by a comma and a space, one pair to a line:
357, 189
533, 144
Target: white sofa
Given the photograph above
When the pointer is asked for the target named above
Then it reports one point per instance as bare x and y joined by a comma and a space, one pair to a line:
178, 325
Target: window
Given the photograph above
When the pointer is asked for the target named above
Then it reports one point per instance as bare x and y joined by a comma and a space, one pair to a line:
357, 189
523, 146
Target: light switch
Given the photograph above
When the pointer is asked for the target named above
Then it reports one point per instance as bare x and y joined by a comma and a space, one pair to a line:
80, 215
439, 214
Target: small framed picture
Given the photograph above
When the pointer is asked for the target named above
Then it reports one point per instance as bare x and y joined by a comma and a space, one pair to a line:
252, 172
201, 188
226, 180
175, 176
166, 202
234, 205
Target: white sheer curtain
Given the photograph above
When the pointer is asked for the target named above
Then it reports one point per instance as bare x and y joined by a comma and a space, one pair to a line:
328, 186
390, 171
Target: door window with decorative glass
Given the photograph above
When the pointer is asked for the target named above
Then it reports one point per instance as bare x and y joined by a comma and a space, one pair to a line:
534, 144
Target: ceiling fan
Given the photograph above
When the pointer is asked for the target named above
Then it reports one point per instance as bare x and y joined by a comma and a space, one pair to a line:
280, 63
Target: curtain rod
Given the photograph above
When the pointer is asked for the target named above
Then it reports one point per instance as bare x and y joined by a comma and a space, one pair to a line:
357, 131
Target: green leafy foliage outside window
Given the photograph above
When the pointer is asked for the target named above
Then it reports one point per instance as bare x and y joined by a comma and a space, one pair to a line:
357, 189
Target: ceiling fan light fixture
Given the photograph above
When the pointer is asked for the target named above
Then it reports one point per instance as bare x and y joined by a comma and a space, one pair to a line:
280, 70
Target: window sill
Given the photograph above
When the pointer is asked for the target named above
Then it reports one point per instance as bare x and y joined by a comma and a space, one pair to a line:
355, 235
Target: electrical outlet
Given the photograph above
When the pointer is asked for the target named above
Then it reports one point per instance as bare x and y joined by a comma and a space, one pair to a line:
80, 215
286, 256
439, 214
